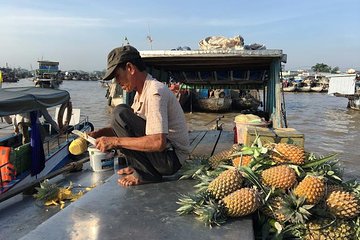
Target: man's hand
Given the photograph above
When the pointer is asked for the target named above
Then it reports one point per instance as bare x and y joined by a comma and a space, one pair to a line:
105, 143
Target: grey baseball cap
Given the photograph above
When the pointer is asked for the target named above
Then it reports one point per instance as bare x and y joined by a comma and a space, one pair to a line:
119, 55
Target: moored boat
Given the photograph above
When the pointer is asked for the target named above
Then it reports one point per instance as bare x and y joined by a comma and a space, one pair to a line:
7, 75
24, 163
292, 88
214, 104
114, 94
48, 75
232, 69
318, 88
348, 86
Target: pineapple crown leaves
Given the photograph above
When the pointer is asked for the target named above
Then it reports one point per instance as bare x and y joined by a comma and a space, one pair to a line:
211, 213
190, 202
298, 170
281, 232
352, 186
326, 167
314, 162
193, 168
295, 209
208, 176
254, 179
255, 151
357, 227
257, 141
46, 191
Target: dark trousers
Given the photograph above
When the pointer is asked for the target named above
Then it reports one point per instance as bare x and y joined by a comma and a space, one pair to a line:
150, 166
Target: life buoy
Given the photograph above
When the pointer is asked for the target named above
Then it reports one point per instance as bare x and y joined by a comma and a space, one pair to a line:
64, 124
7, 170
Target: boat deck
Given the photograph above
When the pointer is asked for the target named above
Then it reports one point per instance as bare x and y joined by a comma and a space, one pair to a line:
113, 212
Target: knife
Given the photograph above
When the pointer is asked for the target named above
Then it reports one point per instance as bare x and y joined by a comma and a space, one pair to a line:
84, 136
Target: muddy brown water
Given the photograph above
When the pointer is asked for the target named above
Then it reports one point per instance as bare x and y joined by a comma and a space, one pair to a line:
325, 121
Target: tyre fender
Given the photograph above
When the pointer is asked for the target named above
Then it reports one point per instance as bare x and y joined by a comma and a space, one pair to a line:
64, 124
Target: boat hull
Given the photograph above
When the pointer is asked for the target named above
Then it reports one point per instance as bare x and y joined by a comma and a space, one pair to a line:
47, 83
55, 161
354, 103
304, 89
245, 103
289, 89
214, 104
56, 157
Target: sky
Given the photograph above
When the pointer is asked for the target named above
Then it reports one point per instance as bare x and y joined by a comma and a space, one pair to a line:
80, 33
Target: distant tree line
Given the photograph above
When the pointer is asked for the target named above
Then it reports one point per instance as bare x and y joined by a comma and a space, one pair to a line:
321, 67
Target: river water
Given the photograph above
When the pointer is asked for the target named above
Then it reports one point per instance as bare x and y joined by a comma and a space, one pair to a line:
328, 126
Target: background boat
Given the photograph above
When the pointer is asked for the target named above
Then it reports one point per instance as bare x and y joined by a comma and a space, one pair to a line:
213, 104
25, 163
48, 75
347, 86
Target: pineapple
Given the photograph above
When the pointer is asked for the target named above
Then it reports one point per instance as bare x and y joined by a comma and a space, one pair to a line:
218, 158
242, 202
343, 204
227, 182
331, 188
274, 207
311, 188
323, 229
243, 160
282, 177
288, 208
288, 153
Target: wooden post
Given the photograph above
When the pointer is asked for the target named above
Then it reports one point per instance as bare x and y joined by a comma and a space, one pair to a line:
275, 90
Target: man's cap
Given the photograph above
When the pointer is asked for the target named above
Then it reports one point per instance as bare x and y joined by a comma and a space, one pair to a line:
120, 55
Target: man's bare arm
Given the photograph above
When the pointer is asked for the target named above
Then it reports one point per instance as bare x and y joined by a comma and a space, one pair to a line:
149, 143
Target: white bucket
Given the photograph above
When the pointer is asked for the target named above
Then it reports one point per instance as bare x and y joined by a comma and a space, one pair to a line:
100, 161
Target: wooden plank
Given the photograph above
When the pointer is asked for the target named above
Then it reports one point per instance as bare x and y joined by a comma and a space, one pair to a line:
207, 144
226, 140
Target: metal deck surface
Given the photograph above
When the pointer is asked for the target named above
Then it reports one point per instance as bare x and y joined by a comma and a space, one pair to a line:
110, 211
140, 212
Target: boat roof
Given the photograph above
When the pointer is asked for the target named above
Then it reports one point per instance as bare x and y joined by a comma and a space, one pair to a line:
45, 62
26, 99
211, 59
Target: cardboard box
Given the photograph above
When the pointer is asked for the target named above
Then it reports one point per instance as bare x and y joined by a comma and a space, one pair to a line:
276, 135
265, 134
290, 135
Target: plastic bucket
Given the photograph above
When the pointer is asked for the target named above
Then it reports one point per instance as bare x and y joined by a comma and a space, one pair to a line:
241, 129
100, 161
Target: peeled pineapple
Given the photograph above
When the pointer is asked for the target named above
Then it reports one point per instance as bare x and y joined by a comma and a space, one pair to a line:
282, 177
343, 204
311, 188
78, 146
242, 202
227, 182
288, 153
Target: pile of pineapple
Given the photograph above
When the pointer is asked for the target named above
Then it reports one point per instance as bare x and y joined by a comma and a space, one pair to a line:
291, 194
